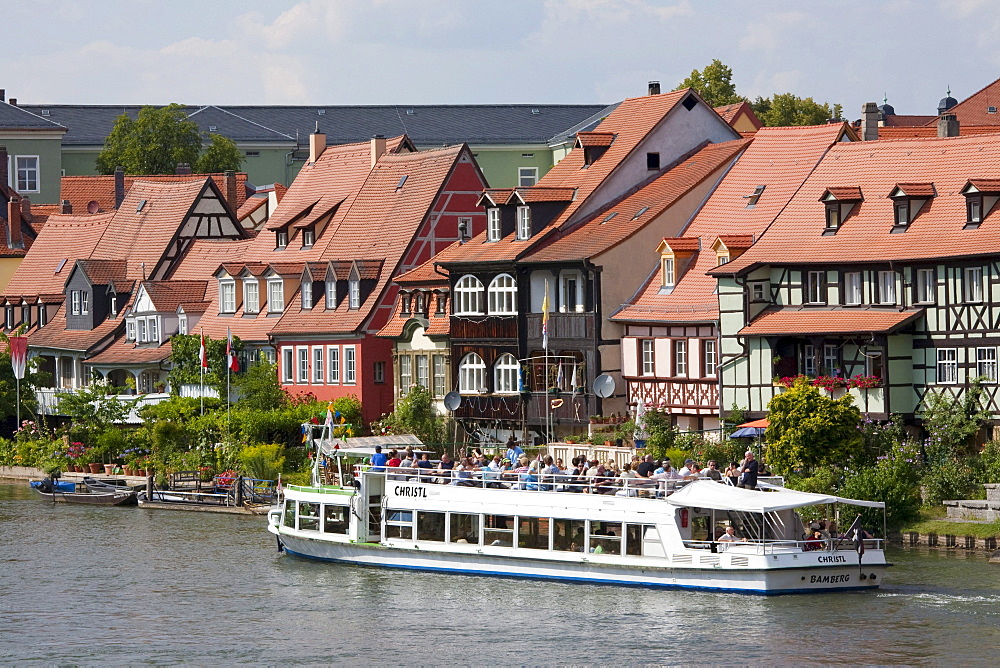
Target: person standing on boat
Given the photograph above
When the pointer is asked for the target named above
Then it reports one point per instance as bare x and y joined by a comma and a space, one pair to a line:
514, 450
748, 470
379, 460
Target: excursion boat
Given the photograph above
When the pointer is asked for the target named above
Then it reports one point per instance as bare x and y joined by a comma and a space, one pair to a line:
651, 537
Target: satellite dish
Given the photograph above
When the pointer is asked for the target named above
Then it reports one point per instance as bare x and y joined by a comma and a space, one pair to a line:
452, 401
93, 206
604, 386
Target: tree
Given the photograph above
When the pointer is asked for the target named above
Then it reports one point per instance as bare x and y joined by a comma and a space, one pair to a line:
415, 414
158, 139
951, 423
808, 430
714, 83
259, 387
220, 155
785, 109
186, 362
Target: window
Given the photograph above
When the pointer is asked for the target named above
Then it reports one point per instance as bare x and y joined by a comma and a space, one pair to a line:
947, 365
333, 358
505, 374
308, 237
336, 519
423, 371
709, 356
722, 259
809, 359
533, 532
527, 176
43, 315
832, 216
319, 365
280, 239
154, 329
307, 294
114, 305
498, 530
287, 365
26, 314
831, 359
405, 374
303, 355
275, 296
141, 323
503, 295
468, 296
330, 290
648, 358
571, 292
493, 224
227, 296
814, 294
680, 357
430, 526
852, 288
182, 324
667, 271
130, 330
886, 287
754, 197
652, 161
85, 302
399, 524
974, 209
9, 314
902, 212
523, 222
464, 528
471, 374
74, 300
251, 296
758, 292
973, 284
926, 286
986, 364
439, 375
606, 537
350, 368
27, 173
354, 293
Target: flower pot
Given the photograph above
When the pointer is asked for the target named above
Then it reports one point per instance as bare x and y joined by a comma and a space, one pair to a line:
96, 468
109, 469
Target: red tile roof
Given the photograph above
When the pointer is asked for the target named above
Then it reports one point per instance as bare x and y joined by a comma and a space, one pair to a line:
908, 120
985, 185
975, 109
168, 295
736, 241
543, 194
103, 272
496, 196
681, 243
124, 353
928, 131
937, 232
916, 189
730, 113
55, 334
426, 273
81, 190
585, 139
799, 320
843, 193
779, 159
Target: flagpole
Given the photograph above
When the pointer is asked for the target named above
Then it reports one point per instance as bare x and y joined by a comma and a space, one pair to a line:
545, 347
229, 353
201, 366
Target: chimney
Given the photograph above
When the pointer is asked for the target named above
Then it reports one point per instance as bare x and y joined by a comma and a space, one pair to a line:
182, 168
25, 208
948, 125
230, 193
3, 95
654, 87
119, 186
14, 238
869, 121
65, 207
13, 101
317, 144
378, 148
3, 165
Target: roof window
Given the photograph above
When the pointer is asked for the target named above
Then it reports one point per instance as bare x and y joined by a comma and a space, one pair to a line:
839, 202
608, 217
140, 206
402, 180
640, 212
59, 267
754, 196
991, 110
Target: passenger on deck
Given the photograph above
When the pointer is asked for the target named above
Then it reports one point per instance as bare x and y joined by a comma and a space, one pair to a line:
445, 467
378, 460
748, 470
729, 536
625, 479
663, 466
732, 474
514, 450
394, 460
425, 465
816, 542
686, 469
550, 473
646, 467
712, 472
694, 471
463, 473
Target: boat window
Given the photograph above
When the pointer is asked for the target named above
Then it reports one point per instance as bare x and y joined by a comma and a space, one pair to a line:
399, 524
464, 528
570, 535
636, 534
430, 526
308, 516
289, 513
533, 533
606, 537
700, 527
498, 530
335, 519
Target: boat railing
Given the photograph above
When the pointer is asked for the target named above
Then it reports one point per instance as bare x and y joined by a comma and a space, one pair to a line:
772, 546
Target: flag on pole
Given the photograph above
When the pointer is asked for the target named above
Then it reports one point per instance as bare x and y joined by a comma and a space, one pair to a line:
545, 317
572, 382
18, 355
202, 353
856, 535
232, 362
559, 375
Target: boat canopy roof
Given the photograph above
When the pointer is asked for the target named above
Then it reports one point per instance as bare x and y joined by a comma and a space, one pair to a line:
717, 496
364, 446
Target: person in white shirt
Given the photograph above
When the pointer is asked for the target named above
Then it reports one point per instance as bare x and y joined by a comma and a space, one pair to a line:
686, 469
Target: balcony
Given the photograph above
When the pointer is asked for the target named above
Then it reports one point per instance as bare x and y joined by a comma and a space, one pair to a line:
562, 326
489, 327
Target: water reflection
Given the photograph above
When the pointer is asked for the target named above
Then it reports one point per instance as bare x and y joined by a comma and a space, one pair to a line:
129, 585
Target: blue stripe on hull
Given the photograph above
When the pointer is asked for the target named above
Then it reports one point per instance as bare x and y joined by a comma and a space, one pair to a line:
566, 578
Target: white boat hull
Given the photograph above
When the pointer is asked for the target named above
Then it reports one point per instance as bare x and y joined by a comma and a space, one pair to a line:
789, 580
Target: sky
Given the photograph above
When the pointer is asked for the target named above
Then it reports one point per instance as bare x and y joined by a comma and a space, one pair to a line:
347, 52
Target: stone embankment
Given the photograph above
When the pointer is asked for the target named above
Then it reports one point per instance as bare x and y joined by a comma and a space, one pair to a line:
976, 509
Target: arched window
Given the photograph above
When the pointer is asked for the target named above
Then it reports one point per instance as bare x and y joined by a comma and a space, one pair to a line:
505, 374
503, 295
469, 296
471, 374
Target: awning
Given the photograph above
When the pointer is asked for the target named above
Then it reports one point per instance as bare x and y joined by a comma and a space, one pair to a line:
751, 429
364, 446
718, 496
804, 320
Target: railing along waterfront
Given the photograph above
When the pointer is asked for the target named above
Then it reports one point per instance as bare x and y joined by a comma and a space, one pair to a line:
773, 546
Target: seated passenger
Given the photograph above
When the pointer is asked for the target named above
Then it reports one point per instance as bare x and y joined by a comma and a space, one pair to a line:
712, 471
425, 465
445, 467
816, 542
729, 536
549, 473
463, 474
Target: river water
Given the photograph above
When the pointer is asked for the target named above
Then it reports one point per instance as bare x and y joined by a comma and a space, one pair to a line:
87, 585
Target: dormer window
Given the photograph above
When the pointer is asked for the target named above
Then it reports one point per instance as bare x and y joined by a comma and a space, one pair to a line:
667, 272
9, 311
839, 202
981, 196
308, 237
182, 323
405, 302
493, 224
74, 303
331, 294
354, 292
130, 329
973, 209
42, 315
251, 296
307, 294
227, 296
280, 239
114, 305
832, 216
275, 295
908, 199
722, 259
420, 308
523, 222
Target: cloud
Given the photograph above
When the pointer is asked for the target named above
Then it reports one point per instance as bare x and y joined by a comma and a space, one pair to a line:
767, 35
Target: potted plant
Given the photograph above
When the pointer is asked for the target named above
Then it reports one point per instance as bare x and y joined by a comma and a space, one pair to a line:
830, 383
863, 382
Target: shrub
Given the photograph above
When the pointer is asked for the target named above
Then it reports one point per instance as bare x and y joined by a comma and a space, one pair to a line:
892, 480
989, 463
955, 481
263, 461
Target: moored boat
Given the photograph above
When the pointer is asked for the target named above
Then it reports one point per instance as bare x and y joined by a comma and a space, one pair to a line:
48, 491
644, 536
